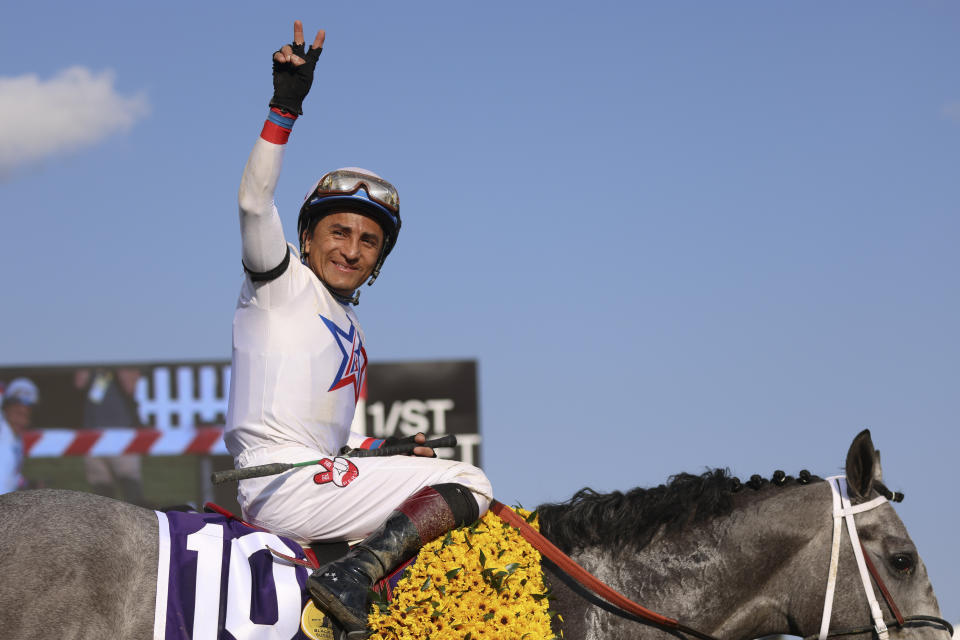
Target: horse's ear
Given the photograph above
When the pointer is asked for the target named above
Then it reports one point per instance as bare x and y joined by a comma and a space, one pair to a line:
863, 465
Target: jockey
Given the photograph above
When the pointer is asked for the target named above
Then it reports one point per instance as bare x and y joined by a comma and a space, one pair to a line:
299, 360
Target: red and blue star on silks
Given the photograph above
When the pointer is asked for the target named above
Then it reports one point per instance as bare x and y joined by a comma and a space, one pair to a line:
353, 366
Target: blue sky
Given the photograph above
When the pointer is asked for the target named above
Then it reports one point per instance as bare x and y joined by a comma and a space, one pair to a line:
675, 235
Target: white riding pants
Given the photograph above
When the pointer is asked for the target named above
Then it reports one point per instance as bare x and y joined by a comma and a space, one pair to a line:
342, 498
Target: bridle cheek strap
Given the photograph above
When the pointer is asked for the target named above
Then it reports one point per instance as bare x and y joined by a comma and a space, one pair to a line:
843, 510
883, 589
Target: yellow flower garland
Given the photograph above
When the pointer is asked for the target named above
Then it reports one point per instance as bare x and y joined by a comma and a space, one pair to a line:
477, 582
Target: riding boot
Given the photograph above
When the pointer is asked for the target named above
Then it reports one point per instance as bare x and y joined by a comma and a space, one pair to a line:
341, 588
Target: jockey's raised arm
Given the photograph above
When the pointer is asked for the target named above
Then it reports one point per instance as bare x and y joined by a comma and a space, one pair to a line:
261, 231
263, 245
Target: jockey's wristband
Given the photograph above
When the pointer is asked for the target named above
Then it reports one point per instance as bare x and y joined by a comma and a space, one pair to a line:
370, 443
376, 443
277, 127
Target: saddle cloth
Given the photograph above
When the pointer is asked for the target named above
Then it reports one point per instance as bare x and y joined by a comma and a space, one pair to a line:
218, 580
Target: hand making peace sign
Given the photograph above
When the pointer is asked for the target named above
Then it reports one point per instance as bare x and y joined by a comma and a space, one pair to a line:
293, 70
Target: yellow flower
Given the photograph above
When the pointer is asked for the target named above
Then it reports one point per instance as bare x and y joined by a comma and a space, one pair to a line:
478, 581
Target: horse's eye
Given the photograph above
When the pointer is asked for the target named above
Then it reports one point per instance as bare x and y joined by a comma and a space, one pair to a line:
902, 562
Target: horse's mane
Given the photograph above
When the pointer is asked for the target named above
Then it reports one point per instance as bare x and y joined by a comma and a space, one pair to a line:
634, 517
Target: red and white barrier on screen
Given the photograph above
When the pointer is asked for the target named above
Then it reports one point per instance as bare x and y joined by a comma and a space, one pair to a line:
54, 443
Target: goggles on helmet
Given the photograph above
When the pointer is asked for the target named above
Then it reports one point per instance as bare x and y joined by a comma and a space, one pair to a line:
343, 182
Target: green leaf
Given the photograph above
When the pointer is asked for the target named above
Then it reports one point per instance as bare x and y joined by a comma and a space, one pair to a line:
468, 636
489, 616
513, 566
426, 584
530, 517
453, 573
379, 600
447, 540
483, 559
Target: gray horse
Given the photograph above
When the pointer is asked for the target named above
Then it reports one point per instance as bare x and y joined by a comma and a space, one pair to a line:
734, 564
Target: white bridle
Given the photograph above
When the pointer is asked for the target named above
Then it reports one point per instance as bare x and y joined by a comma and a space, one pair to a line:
843, 510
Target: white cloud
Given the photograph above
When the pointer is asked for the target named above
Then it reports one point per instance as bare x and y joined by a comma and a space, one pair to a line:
75, 109
952, 111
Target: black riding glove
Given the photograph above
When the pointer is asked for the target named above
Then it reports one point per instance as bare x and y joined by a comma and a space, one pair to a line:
388, 442
291, 83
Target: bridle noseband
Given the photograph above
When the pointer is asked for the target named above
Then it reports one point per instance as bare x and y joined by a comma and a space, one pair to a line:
844, 510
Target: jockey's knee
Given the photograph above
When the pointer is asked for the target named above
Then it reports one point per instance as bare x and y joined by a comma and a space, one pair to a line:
474, 480
462, 502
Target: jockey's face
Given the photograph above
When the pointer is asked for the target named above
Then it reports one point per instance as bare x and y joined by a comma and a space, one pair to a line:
343, 249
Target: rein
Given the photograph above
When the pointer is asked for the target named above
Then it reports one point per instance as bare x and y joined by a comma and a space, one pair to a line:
584, 577
842, 510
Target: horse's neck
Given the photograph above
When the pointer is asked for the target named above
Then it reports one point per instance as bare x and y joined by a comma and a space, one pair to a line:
737, 576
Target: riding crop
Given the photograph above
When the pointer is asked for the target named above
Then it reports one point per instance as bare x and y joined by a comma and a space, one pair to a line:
272, 469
